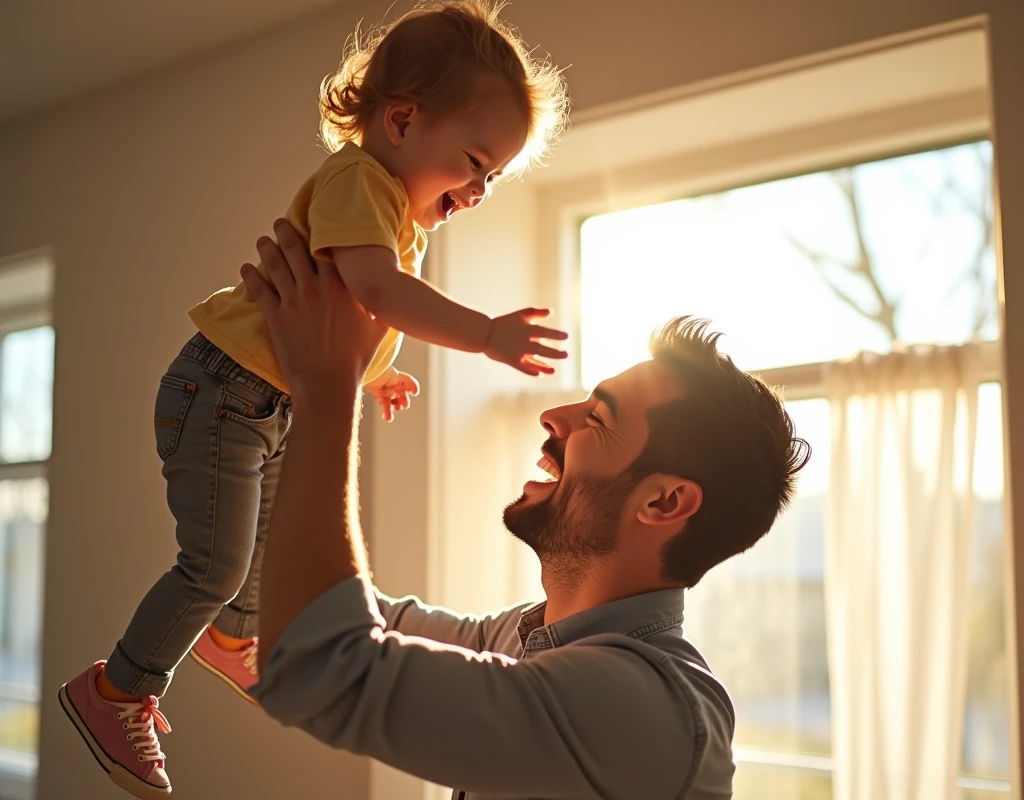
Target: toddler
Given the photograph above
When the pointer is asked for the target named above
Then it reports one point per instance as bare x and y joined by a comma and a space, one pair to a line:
421, 119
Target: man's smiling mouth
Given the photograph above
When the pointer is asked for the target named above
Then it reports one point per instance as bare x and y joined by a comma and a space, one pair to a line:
547, 464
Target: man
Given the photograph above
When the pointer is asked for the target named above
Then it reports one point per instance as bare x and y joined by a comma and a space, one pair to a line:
663, 472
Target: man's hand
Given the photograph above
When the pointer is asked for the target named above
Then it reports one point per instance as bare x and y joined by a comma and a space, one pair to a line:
324, 341
320, 333
393, 391
514, 340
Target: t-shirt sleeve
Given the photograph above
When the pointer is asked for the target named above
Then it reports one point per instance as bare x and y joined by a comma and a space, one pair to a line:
354, 207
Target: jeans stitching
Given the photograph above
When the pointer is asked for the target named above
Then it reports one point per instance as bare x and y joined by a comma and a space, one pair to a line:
215, 431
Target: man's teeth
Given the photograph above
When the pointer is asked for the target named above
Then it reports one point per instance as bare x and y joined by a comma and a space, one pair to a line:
546, 465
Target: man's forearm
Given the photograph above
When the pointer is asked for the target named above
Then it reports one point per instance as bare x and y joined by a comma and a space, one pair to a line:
314, 540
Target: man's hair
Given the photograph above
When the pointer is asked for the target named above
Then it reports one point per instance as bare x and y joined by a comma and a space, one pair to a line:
730, 434
433, 56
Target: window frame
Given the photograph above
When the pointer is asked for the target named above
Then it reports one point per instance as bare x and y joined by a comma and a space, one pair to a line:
562, 207
18, 770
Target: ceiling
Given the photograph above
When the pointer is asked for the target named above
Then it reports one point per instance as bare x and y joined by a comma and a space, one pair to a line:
52, 50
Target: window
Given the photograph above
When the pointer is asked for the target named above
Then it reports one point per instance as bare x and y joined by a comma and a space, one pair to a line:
26, 388
798, 273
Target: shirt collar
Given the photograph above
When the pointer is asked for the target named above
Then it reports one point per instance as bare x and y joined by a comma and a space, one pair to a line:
634, 616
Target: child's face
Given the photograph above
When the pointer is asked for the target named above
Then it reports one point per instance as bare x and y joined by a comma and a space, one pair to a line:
447, 163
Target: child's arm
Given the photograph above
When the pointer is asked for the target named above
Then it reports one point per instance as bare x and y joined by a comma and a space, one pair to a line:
406, 303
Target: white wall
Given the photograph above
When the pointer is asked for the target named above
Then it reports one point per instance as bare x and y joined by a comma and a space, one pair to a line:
152, 193
151, 196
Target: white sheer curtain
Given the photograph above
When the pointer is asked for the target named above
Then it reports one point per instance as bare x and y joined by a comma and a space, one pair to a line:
898, 539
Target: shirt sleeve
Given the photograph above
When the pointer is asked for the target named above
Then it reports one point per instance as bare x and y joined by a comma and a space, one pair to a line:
599, 718
412, 617
355, 206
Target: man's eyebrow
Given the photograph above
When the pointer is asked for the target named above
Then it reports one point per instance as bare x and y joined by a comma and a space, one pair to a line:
608, 399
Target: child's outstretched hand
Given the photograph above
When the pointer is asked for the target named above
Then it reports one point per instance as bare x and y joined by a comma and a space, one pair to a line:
514, 340
393, 391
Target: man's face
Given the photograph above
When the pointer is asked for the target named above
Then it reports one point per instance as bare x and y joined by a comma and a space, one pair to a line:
578, 513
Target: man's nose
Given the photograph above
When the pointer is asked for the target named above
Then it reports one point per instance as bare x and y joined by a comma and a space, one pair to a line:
559, 422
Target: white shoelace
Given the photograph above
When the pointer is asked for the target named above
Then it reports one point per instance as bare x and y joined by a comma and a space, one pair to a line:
249, 659
141, 717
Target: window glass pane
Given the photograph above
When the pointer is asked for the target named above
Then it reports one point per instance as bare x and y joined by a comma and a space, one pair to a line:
757, 782
784, 703
984, 794
26, 395
986, 724
801, 270
23, 513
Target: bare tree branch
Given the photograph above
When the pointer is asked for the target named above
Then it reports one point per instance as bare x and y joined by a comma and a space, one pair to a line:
980, 207
862, 268
821, 261
886, 313
952, 197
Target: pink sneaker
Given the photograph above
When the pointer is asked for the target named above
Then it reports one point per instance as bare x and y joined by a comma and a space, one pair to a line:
236, 669
120, 735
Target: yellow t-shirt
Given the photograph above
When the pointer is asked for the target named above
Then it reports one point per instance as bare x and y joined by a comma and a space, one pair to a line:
350, 201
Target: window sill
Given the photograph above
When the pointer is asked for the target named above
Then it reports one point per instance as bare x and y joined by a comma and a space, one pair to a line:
17, 775
824, 764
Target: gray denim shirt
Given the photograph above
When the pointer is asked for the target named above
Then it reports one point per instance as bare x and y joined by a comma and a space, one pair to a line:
610, 703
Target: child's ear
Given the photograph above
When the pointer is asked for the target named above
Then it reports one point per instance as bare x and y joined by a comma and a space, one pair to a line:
397, 119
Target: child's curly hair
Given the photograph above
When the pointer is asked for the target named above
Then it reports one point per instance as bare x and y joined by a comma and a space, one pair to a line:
432, 56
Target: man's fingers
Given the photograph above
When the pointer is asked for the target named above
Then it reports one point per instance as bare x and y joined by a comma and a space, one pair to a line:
265, 297
277, 267
296, 253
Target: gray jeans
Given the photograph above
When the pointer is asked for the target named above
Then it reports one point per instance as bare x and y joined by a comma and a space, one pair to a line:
220, 432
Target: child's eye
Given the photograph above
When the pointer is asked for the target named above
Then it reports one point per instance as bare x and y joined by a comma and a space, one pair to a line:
475, 162
592, 416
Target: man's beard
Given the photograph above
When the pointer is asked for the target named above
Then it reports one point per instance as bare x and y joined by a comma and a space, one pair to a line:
576, 525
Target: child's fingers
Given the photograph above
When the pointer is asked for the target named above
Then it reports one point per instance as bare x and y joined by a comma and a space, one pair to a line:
540, 332
547, 352
385, 408
411, 385
526, 367
539, 365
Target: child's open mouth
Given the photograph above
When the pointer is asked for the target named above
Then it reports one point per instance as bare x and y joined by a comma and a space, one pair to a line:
449, 204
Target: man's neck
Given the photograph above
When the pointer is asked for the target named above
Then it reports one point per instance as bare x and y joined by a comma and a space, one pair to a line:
570, 591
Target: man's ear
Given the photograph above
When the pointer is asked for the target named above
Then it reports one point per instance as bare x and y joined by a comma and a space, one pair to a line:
670, 501
397, 119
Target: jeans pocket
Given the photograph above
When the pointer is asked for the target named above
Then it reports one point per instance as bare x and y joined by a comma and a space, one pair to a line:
172, 402
248, 407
